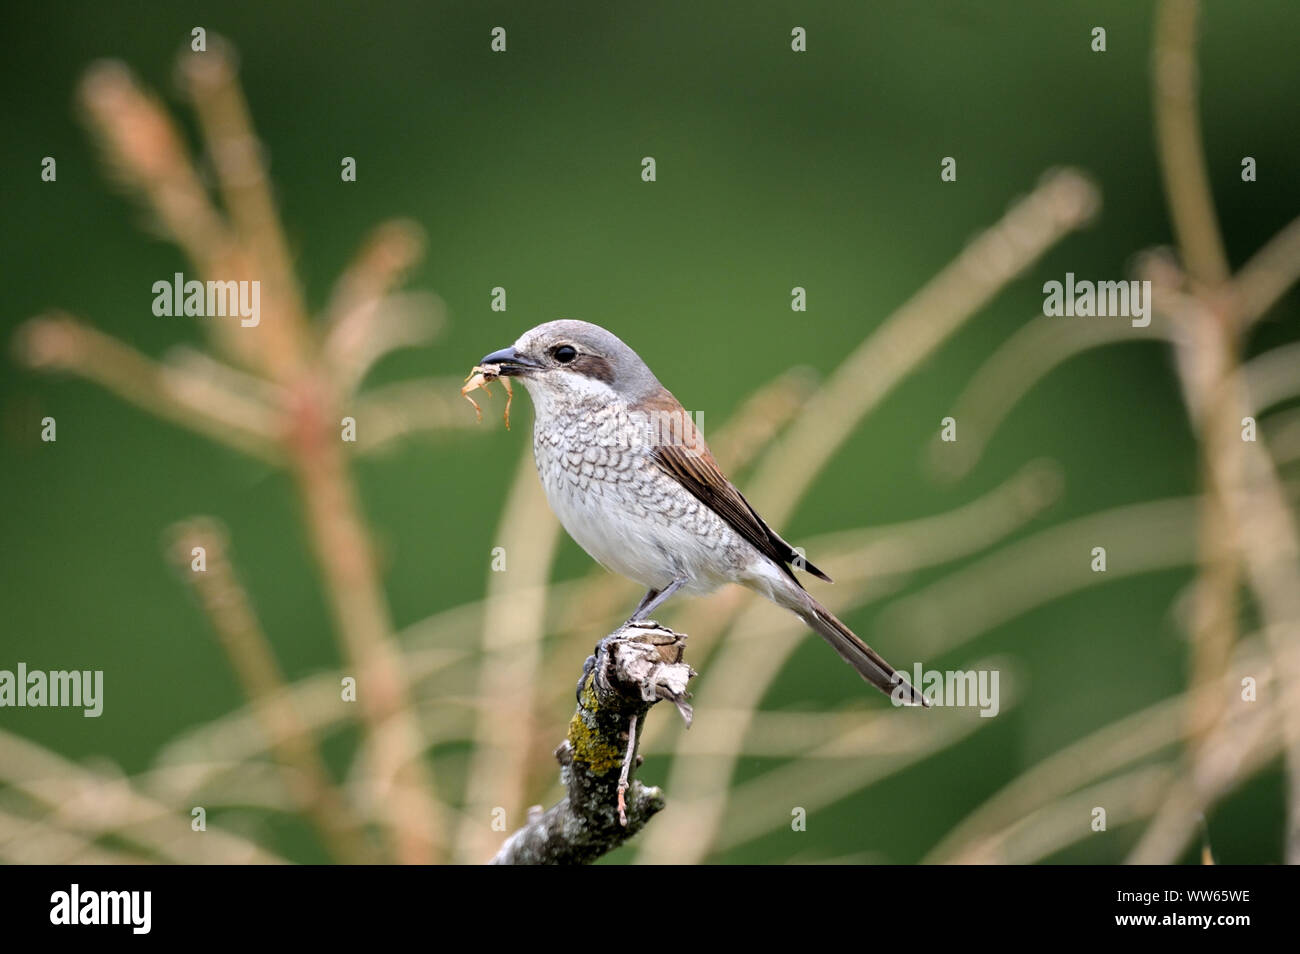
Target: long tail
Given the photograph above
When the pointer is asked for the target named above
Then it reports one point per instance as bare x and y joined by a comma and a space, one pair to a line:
870, 665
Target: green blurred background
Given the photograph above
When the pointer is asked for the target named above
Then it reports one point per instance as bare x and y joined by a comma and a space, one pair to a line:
774, 170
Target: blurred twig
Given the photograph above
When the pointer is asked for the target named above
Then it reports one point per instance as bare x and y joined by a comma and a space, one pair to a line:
1031, 353
94, 805
392, 412
34, 841
875, 747
1052, 563
1063, 201
1178, 136
1039, 812
741, 672
57, 342
309, 385
513, 627
1246, 520
1271, 271
227, 605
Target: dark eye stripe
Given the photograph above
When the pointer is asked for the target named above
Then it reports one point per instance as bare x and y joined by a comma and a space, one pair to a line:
594, 366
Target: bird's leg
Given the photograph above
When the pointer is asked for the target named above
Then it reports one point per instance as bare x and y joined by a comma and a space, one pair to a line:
623, 782
654, 598
648, 602
650, 595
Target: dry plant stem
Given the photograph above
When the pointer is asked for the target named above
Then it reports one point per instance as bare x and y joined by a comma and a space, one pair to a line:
433, 644
236, 153
1214, 617
631, 670
358, 329
222, 382
1105, 751
1121, 744
146, 151
339, 537
1196, 226
942, 615
1035, 350
57, 342
31, 841
1269, 273
1039, 834
1241, 745
871, 748
1265, 528
389, 413
1178, 135
513, 627
1037, 814
1026, 357
1271, 379
148, 154
1065, 200
760, 417
742, 673
236, 737
346, 558
389, 251
89, 803
1247, 517
303, 769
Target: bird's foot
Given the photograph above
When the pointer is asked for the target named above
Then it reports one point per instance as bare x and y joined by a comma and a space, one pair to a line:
643, 621
587, 667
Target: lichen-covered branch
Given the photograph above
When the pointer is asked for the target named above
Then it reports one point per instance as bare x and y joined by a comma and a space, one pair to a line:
631, 670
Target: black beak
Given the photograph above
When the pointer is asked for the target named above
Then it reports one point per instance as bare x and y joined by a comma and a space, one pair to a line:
512, 363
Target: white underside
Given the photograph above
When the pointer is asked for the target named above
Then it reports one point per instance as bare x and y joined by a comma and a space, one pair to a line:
634, 519
644, 548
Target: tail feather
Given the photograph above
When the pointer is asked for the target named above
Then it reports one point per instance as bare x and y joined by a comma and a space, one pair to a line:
869, 664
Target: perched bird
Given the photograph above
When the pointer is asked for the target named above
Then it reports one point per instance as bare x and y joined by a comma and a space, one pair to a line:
627, 472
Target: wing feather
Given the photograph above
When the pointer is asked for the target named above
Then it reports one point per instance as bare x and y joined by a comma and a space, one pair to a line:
694, 468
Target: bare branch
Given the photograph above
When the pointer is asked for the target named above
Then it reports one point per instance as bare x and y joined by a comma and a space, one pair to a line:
632, 669
202, 402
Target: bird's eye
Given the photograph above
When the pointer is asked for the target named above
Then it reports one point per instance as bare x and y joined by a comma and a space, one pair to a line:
564, 353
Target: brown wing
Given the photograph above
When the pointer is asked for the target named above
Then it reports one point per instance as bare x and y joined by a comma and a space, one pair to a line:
691, 465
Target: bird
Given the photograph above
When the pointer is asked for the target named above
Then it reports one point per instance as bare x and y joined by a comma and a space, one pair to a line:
627, 471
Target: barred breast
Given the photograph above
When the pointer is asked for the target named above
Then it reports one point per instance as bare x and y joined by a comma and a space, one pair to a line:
613, 499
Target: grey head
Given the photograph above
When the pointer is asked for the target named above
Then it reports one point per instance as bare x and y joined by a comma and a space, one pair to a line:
578, 360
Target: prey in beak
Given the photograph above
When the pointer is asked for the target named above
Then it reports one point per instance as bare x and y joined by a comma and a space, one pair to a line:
510, 363
480, 377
